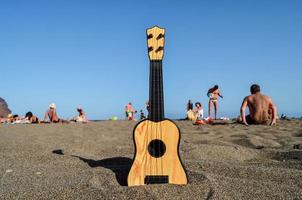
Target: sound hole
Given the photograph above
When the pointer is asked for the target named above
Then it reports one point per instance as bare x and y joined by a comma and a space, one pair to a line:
157, 148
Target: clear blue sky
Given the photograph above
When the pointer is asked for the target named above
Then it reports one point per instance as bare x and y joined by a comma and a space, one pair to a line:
93, 53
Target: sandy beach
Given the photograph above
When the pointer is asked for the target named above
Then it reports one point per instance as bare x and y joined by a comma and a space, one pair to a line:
91, 161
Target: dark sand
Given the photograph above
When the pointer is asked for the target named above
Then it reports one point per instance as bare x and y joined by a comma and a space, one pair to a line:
78, 161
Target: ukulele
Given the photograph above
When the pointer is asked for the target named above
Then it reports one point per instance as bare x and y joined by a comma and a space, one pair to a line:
156, 139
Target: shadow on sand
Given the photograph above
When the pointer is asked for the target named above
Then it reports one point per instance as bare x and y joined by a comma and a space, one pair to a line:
119, 165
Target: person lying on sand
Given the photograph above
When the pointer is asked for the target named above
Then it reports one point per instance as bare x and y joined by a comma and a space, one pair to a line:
15, 119
7, 119
12, 118
81, 117
31, 118
261, 108
213, 94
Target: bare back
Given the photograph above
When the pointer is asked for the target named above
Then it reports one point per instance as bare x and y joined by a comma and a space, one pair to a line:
259, 106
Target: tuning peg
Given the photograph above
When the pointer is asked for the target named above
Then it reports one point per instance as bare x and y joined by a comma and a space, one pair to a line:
160, 36
159, 49
150, 49
149, 36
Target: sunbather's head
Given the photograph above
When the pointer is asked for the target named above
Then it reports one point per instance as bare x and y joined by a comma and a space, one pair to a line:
29, 115
198, 104
216, 87
255, 88
52, 106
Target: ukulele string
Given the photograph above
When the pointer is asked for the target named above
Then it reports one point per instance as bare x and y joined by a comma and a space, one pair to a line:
158, 113
159, 108
152, 108
162, 108
155, 114
155, 111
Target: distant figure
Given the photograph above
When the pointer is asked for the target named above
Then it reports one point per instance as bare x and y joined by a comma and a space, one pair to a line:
196, 113
213, 94
262, 110
11, 118
31, 118
2, 119
130, 111
148, 107
189, 105
142, 115
51, 114
81, 117
198, 110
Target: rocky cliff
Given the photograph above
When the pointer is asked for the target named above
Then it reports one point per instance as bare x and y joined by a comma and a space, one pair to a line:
4, 110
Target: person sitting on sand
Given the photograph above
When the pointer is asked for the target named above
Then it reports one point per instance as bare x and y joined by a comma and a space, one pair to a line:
189, 105
196, 113
31, 118
213, 94
81, 117
261, 108
51, 114
142, 115
198, 110
148, 107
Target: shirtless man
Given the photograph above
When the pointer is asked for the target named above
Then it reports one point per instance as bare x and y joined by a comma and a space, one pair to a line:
260, 106
213, 95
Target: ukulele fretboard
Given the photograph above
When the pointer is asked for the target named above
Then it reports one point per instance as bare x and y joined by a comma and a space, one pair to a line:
156, 93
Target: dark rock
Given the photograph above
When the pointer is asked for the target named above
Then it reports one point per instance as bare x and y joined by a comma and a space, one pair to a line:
259, 147
298, 146
4, 110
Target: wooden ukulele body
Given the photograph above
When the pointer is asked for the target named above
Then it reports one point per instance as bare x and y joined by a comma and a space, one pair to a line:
156, 157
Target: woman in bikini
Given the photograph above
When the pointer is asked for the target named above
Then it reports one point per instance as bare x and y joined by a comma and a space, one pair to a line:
213, 94
81, 117
51, 114
31, 118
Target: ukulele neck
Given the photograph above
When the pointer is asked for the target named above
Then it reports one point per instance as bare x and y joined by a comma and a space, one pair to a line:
156, 93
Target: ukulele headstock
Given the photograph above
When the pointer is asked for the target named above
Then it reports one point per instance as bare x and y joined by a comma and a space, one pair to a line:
156, 43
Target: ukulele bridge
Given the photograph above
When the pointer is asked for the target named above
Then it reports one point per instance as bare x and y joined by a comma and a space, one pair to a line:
156, 180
